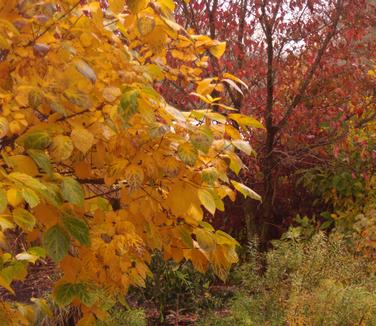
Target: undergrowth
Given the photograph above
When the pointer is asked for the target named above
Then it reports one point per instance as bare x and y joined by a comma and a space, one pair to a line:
315, 281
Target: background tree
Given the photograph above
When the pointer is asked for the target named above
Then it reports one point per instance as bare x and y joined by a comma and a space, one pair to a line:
299, 60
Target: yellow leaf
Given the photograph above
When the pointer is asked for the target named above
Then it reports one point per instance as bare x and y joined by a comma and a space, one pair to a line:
145, 25
135, 6
243, 145
110, 93
61, 148
24, 164
247, 192
4, 127
234, 78
188, 153
232, 132
82, 139
6, 285
14, 197
134, 176
116, 6
218, 49
207, 200
245, 120
204, 86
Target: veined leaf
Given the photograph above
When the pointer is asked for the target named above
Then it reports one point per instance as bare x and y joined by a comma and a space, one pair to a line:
61, 148
245, 120
82, 139
56, 243
24, 219
128, 105
77, 228
202, 138
35, 140
188, 153
207, 200
247, 192
243, 145
145, 24
25, 179
41, 159
64, 294
205, 240
30, 197
72, 191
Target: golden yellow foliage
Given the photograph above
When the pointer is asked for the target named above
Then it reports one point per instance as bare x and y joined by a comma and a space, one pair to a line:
82, 126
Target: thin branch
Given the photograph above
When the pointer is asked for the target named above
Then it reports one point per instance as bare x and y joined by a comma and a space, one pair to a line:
306, 81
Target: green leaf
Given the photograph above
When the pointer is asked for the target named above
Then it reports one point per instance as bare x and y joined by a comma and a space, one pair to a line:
35, 98
24, 219
37, 251
188, 153
207, 200
209, 175
16, 271
186, 236
51, 194
77, 228
58, 108
30, 197
247, 192
64, 294
3, 200
35, 140
41, 159
72, 191
128, 105
84, 295
202, 138
56, 243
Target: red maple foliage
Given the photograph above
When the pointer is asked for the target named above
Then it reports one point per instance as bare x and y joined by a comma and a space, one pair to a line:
306, 63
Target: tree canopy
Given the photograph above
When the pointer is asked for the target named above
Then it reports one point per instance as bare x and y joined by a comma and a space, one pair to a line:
97, 169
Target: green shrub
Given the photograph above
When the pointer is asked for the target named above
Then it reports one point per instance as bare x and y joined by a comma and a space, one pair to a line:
315, 281
125, 317
176, 287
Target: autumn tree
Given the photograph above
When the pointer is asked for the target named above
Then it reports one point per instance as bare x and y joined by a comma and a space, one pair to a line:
97, 169
305, 63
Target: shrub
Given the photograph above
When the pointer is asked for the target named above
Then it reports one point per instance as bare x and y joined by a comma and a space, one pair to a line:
315, 281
